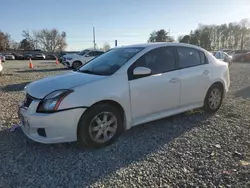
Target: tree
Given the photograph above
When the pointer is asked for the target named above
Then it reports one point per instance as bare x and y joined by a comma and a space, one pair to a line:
31, 38
26, 45
214, 37
159, 36
14, 45
185, 39
244, 31
106, 47
48, 40
4, 41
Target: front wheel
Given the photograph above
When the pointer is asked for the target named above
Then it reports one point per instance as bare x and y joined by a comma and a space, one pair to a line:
213, 98
100, 126
76, 64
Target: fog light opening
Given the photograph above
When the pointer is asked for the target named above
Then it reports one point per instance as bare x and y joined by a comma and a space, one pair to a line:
41, 132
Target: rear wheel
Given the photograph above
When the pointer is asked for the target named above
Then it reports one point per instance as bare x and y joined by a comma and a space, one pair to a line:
100, 126
76, 64
213, 98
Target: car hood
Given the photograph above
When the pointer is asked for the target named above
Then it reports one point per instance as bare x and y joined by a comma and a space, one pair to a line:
40, 88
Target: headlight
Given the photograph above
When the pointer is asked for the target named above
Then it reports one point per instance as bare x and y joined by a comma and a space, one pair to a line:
69, 58
51, 102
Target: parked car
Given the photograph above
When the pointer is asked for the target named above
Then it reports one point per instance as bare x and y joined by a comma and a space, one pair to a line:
51, 57
2, 57
18, 56
39, 56
27, 56
9, 56
1, 68
243, 57
77, 60
223, 56
122, 88
61, 54
69, 56
240, 55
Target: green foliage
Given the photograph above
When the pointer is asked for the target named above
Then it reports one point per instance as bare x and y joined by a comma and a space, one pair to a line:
212, 37
159, 36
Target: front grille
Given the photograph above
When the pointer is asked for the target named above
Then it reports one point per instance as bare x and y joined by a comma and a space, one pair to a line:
28, 100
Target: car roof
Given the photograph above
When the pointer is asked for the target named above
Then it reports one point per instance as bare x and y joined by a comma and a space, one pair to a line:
160, 44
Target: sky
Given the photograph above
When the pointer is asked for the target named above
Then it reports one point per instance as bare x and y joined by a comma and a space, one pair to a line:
127, 21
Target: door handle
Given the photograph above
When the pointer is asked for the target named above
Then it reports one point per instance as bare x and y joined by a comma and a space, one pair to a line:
206, 72
174, 80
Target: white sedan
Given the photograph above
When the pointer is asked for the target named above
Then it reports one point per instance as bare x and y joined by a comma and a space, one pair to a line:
122, 88
9, 57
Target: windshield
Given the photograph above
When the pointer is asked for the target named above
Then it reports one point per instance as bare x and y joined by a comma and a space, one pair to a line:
83, 52
109, 62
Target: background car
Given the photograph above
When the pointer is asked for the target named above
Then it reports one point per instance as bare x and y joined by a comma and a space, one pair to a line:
9, 56
39, 56
2, 57
75, 61
64, 54
18, 56
28, 56
240, 55
223, 56
245, 57
51, 57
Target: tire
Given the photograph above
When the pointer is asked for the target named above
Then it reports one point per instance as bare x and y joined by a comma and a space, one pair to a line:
88, 122
210, 106
76, 64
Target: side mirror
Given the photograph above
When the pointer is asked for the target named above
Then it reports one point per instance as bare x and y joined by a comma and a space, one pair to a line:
142, 71
87, 55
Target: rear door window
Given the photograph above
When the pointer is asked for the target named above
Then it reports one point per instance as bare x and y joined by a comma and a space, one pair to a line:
188, 57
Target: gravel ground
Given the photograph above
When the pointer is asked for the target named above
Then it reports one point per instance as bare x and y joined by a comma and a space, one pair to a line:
188, 150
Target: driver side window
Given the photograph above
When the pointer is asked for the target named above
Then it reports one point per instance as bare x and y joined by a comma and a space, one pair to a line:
159, 60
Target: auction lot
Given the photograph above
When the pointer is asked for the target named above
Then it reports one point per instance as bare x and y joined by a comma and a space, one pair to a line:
187, 150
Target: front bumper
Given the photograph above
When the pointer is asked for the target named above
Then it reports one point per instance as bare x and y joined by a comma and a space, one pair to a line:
49, 128
66, 64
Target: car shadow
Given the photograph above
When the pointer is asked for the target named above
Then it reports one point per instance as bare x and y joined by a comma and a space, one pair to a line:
42, 70
14, 87
70, 164
245, 93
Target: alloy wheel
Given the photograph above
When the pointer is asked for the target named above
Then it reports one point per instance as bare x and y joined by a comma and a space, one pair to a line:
103, 127
214, 99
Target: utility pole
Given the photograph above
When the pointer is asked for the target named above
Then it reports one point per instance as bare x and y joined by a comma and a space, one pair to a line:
94, 37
